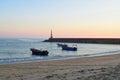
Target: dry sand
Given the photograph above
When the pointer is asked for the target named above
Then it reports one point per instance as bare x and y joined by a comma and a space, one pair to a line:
89, 68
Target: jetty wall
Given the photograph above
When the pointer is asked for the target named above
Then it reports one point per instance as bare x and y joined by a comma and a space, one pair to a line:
86, 40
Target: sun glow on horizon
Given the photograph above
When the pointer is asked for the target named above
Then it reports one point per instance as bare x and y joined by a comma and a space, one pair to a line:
67, 18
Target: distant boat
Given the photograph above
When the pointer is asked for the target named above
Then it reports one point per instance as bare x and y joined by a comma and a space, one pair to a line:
69, 48
62, 45
39, 52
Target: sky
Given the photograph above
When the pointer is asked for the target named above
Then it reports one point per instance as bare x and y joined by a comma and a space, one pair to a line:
66, 18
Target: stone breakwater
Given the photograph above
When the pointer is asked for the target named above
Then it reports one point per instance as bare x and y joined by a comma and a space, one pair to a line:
86, 40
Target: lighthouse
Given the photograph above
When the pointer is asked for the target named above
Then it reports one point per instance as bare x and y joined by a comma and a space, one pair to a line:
51, 35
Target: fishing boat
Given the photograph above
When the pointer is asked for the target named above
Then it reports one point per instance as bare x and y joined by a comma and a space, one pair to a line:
69, 48
39, 52
62, 45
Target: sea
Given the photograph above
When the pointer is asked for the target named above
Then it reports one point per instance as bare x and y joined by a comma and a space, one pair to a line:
17, 50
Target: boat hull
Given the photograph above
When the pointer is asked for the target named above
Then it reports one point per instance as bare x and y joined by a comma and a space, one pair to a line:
39, 52
69, 48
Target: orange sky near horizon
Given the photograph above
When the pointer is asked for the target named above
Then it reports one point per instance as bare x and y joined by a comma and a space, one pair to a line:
66, 18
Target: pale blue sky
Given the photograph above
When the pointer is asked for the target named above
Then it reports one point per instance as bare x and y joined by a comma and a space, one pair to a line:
74, 18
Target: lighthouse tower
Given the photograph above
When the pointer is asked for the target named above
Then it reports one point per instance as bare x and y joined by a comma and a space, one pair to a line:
51, 35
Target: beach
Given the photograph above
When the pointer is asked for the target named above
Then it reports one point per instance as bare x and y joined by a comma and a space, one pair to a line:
87, 68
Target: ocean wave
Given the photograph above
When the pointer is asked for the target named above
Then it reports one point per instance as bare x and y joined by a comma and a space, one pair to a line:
102, 53
30, 40
12, 60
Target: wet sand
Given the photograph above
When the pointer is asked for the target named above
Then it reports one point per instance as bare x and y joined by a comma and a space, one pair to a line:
88, 68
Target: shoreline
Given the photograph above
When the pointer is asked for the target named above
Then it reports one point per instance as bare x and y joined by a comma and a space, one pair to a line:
58, 69
55, 59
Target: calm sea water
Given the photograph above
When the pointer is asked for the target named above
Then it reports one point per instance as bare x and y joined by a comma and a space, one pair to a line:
18, 50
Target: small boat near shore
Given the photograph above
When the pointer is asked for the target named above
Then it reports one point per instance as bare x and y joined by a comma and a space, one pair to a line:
62, 45
69, 48
39, 52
